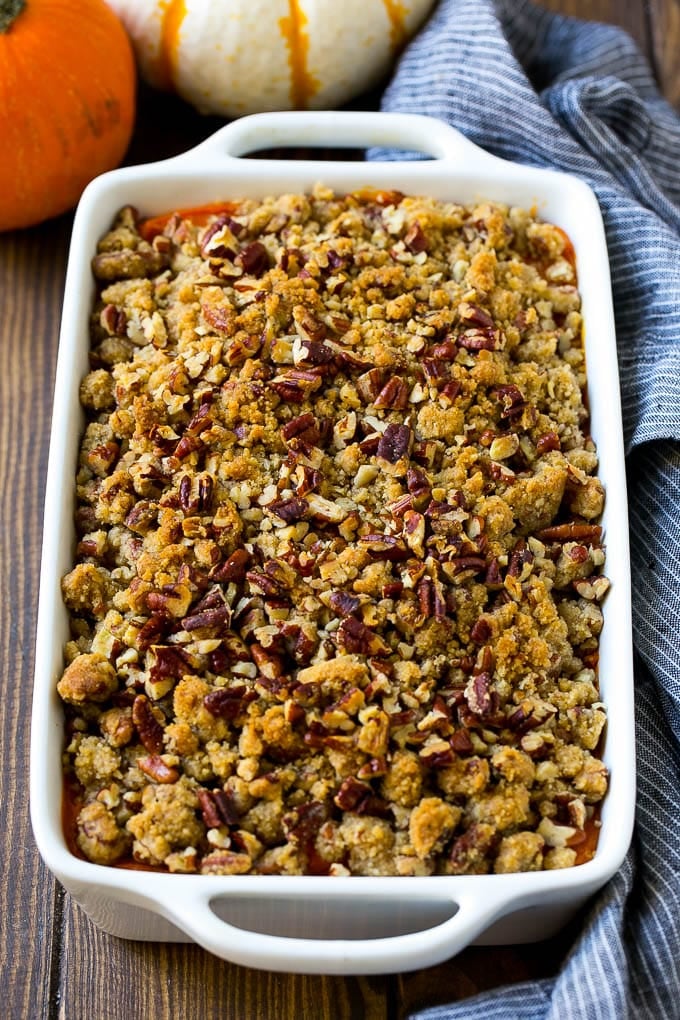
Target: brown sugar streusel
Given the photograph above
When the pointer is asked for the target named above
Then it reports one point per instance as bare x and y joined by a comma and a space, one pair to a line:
335, 604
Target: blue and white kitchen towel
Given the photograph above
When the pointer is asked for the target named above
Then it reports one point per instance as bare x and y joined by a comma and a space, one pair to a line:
552, 91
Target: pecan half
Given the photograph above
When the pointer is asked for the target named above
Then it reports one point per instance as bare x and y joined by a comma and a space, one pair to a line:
149, 729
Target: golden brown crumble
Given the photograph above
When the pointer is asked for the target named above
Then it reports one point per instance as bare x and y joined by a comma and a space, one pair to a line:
335, 608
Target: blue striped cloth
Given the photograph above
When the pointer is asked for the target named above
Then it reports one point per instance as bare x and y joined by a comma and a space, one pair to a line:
552, 91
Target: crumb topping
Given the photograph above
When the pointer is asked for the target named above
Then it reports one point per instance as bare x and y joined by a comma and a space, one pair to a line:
335, 606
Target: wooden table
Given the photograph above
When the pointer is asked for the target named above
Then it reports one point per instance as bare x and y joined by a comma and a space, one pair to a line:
53, 961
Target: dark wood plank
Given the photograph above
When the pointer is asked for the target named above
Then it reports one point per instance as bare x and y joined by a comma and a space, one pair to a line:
31, 280
479, 969
664, 16
628, 14
122, 980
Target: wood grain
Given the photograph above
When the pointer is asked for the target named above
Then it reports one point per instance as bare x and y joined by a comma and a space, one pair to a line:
31, 282
137, 980
628, 14
65, 967
664, 20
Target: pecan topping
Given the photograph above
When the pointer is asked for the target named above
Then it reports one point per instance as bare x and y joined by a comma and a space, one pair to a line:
356, 637
481, 631
234, 567
385, 547
478, 694
548, 441
253, 259
394, 394
477, 316
370, 384
572, 532
149, 729
415, 239
209, 810
229, 702
344, 604
479, 339
304, 426
167, 662
114, 320
394, 443
351, 793
155, 768
217, 617
340, 560
470, 851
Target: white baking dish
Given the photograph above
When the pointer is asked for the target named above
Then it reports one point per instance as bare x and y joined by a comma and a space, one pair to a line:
317, 924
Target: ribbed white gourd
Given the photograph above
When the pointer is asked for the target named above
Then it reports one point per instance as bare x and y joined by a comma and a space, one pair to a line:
233, 57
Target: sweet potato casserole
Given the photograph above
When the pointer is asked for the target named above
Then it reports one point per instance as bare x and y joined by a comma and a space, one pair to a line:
335, 603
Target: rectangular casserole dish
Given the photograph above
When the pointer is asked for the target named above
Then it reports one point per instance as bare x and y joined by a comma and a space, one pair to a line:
316, 924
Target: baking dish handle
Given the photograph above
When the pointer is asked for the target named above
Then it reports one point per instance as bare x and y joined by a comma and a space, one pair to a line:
197, 917
336, 129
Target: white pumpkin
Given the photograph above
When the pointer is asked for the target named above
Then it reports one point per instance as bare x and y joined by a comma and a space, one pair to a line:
244, 56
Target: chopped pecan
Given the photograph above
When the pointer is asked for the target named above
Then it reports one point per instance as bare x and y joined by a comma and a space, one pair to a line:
313, 352
142, 517
571, 532
227, 806
113, 320
415, 239
269, 663
220, 617
469, 852
431, 600
520, 558
304, 426
370, 384
479, 339
357, 638
393, 395
253, 259
220, 317
478, 694
438, 755
477, 316
302, 824
296, 384
289, 510
461, 742
395, 443
167, 662
241, 349
481, 631
209, 811
308, 325
548, 441
343, 603
233, 568
445, 351
229, 702
350, 794
385, 547
155, 768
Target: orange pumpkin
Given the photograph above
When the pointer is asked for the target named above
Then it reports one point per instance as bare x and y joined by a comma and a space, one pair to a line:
67, 97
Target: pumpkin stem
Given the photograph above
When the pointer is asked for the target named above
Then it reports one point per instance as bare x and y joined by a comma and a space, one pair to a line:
9, 10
